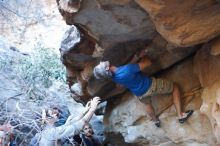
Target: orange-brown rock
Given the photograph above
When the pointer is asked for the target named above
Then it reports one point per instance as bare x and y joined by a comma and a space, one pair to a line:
215, 48
184, 23
210, 107
207, 67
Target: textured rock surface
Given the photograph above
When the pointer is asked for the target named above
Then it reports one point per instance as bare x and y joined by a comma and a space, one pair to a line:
182, 22
127, 115
29, 24
112, 21
210, 107
207, 68
215, 48
137, 128
173, 40
103, 37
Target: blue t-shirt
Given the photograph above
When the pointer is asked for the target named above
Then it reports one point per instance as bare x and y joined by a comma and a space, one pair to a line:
132, 78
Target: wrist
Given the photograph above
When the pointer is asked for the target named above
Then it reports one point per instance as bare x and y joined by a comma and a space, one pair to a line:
93, 109
84, 120
82, 115
85, 111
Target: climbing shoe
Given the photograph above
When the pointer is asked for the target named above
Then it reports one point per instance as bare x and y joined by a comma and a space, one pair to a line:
157, 123
186, 115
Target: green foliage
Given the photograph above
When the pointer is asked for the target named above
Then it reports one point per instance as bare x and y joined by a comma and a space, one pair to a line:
36, 71
42, 68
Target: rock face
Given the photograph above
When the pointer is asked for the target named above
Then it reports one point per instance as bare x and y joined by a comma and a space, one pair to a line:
207, 65
210, 107
126, 115
181, 39
209, 78
119, 44
28, 24
182, 23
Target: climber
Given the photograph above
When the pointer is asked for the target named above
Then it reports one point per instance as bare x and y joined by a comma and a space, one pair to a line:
142, 86
88, 137
72, 126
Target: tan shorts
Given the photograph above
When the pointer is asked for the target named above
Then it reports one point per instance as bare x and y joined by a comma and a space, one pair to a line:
159, 86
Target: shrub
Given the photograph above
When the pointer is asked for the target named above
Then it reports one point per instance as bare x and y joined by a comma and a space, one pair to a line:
42, 68
36, 71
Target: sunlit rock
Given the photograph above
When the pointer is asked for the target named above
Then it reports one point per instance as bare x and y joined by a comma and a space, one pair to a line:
210, 107
215, 48
31, 24
182, 22
70, 6
207, 67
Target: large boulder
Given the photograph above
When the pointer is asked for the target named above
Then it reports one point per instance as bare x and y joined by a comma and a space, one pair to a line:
210, 107
215, 48
105, 34
184, 23
111, 21
207, 68
171, 33
127, 116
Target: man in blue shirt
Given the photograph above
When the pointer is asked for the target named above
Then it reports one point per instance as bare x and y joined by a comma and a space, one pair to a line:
142, 86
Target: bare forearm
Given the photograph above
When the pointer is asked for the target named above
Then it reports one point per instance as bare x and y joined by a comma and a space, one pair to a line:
81, 115
85, 119
72, 117
80, 122
89, 115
